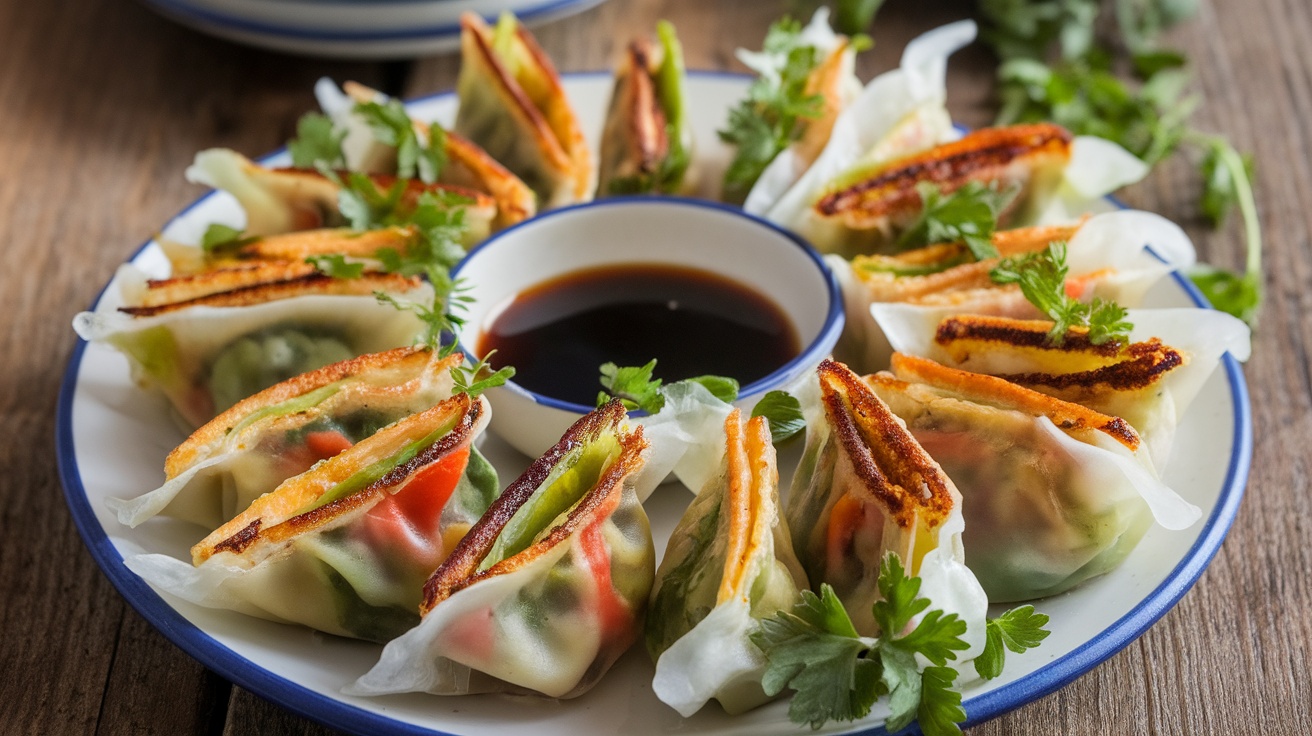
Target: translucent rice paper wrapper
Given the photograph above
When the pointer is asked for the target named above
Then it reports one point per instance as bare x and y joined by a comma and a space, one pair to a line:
361, 572
793, 161
686, 438
899, 112
174, 351
550, 619
1203, 336
251, 455
1114, 241
731, 555
827, 479
1043, 511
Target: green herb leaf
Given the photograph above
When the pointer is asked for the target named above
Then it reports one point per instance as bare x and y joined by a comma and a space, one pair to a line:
1042, 279
476, 379
336, 266
219, 238
392, 126
634, 386
969, 215
721, 387
775, 111
1236, 294
317, 143
855, 16
838, 675
784, 413
1019, 630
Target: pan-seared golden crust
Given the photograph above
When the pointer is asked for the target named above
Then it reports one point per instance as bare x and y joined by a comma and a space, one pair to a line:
895, 469
827, 81
984, 155
297, 246
312, 283
183, 288
459, 571
645, 116
278, 516
409, 360
1077, 362
1000, 393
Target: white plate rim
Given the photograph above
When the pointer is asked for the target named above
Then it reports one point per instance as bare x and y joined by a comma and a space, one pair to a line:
341, 715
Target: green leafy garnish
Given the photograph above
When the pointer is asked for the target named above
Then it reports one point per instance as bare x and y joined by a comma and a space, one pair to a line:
839, 675
336, 266
784, 413
317, 143
219, 238
1019, 630
635, 386
1042, 279
775, 111
392, 126
968, 215
855, 16
1148, 116
476, 379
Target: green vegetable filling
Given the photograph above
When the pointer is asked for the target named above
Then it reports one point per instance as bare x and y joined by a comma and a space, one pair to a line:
255, 362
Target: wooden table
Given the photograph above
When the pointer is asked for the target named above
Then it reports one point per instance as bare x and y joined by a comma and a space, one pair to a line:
105, 103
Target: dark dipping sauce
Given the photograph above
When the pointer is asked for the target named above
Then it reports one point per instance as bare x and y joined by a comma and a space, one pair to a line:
558, 334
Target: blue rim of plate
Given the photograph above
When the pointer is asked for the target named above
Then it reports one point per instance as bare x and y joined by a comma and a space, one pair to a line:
778, 378
186, 11
340, 715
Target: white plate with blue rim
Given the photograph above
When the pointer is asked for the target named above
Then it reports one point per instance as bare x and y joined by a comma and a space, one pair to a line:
113, 437
353, 29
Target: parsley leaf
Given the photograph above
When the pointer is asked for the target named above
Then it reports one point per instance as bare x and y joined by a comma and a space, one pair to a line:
476, 379
855, 16
1042, 279
317, 143
1019, 630
836, 674
968, 215
634, 386
219, 238
775, 111
784, 413
336, 266
392, 126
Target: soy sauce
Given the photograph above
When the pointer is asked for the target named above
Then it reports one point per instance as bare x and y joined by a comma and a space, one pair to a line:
693, 322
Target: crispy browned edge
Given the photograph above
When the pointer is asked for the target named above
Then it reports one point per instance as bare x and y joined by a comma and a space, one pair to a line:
892, 470
992, 390
304, 285
1138, 365
255, 531
646, 118
893, 188
472, 26
459, 570
299, 244
217, 428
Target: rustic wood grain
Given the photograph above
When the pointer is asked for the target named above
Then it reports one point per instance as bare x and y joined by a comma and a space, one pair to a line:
104, 104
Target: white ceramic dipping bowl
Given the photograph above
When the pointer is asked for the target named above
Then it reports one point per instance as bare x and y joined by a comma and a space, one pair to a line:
644, 230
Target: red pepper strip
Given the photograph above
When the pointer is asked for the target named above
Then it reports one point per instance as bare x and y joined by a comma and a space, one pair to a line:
613, 613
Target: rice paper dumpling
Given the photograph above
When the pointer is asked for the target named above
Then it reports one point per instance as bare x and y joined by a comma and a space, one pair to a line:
547, 589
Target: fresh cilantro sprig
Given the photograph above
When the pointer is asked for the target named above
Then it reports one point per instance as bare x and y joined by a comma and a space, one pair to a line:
639, 389
1148, 116
775, 110
837, 674
336, 266
968, 215
392, 126
1019, 630
219, 238
784, 413
1042, 279
318, 143
476, 379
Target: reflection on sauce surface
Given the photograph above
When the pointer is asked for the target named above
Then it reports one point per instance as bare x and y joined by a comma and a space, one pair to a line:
558, 334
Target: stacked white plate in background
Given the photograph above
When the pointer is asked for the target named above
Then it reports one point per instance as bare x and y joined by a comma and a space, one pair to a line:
353, 29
